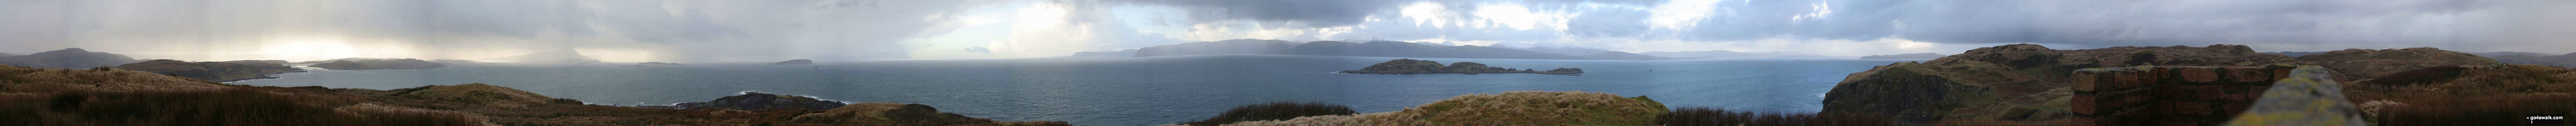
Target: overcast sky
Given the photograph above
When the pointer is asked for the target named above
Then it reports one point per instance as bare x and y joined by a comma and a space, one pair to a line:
773, 30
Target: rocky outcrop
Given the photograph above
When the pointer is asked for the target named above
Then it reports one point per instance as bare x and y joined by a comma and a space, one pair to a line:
1410, 66
756, 101
2009, 82
793, 62
1906, 56
67, 58
211, 71
656, 63
2357, 64
900, 114
379, 64
279, 62
1516, 108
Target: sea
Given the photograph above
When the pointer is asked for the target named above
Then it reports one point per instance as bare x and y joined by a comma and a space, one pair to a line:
1134, 91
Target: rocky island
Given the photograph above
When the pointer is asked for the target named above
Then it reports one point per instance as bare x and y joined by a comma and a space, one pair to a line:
211, 71
379, 64
793, 62
756, 101
1410, 66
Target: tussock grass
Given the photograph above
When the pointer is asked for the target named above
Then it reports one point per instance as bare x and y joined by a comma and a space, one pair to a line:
1282, 110
1517, 108
2477, 95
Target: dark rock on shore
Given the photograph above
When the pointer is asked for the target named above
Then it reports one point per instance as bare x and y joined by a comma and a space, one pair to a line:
379, 64
67, 58
211, 71
656, 63
793, 62
1906, 56
756, 101
1410, 66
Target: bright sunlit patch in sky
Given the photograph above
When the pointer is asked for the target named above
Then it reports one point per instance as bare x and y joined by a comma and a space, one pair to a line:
308, 49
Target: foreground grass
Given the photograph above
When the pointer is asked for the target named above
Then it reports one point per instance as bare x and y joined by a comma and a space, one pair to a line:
2467, 95
1517, 108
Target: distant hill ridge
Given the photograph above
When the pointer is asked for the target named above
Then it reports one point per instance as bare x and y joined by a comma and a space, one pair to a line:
1339, 48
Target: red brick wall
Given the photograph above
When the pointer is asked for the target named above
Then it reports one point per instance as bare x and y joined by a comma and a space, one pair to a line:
2168, 96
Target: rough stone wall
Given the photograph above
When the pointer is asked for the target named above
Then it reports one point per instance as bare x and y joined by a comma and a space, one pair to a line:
2152, 95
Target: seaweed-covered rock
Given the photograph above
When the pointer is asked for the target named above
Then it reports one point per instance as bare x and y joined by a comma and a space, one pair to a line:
211, 71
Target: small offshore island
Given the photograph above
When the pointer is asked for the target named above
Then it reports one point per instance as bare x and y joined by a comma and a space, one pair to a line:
1410, 66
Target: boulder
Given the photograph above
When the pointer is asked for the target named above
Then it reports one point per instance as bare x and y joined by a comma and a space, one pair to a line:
211, 71
794, 62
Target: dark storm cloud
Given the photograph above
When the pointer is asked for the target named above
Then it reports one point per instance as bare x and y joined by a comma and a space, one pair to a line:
2184, 22
469, 29
1319, 13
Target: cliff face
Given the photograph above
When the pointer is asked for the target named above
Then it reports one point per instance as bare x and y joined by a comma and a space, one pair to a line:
2012, 82
211, 71
67, 58
379, 64
793, 62
756, 101
1410, 66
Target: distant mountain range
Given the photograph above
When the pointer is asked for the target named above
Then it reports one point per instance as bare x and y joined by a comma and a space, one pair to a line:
1374, 48
1719, 54
66, 58
556, 56
1907, 56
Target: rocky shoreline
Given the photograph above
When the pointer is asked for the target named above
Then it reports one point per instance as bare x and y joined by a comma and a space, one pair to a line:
1411, 66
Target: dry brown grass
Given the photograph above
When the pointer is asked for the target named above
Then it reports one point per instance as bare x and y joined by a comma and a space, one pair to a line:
1517, 108
2479, 95
1282, 110
95, 78
1695, 116
1994, 122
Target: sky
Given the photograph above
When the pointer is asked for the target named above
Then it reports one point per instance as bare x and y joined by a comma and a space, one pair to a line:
845, 30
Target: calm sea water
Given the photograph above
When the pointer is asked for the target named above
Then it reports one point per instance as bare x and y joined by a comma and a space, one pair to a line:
1127, 91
